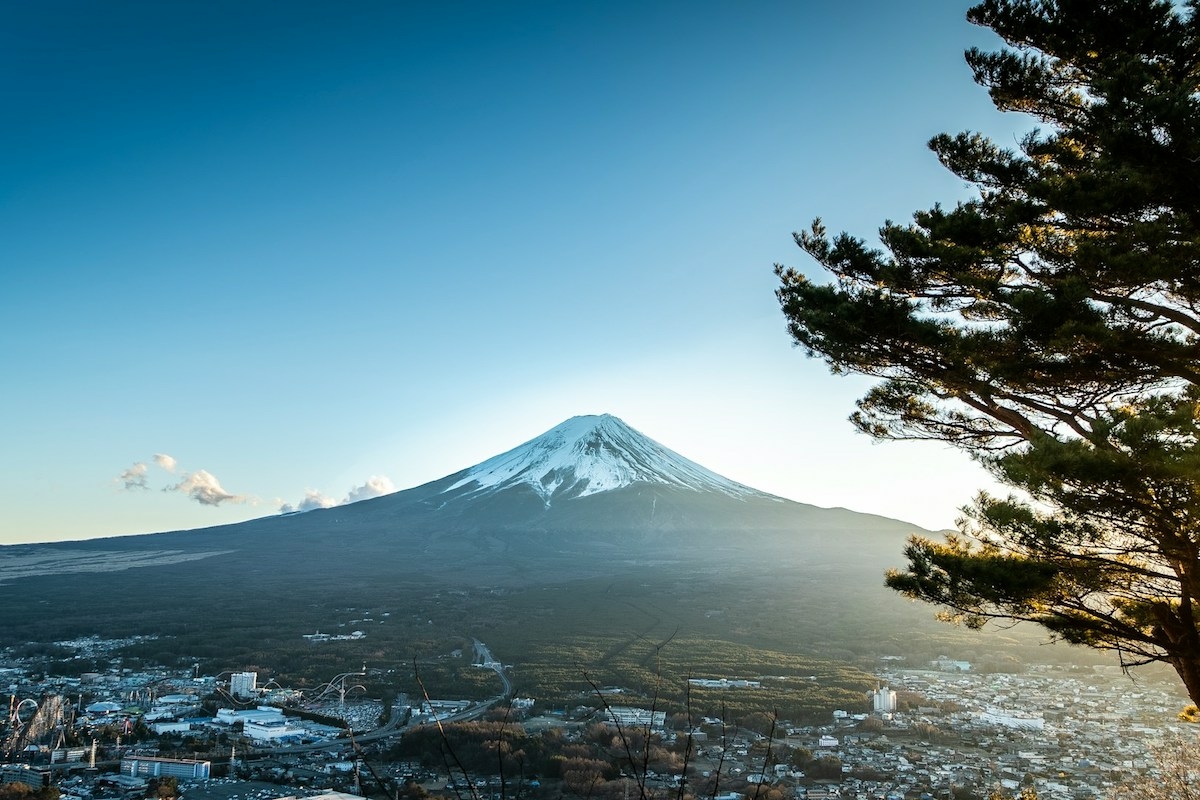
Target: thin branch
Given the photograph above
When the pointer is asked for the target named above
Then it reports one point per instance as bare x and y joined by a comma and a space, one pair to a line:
762, 775
448, 749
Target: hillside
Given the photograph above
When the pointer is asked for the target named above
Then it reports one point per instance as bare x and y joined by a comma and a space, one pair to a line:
591, 531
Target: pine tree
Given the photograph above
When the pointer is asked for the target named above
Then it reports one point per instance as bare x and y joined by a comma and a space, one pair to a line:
1050, 326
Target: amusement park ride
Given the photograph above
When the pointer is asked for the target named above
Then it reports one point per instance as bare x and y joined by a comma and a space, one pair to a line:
338, 687
29, 722
32, 722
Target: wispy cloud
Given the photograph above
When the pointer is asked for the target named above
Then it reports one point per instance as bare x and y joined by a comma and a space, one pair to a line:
134, 477
165, 461
203, 487
375, 486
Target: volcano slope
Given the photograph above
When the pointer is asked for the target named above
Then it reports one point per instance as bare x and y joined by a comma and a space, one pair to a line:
591, 533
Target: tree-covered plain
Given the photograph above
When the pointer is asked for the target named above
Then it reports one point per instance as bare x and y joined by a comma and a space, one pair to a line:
750, 622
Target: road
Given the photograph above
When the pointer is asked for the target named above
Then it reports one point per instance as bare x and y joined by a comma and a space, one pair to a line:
485, 657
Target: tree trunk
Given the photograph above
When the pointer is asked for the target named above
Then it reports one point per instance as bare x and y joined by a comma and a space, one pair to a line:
1188, 670
1177, 635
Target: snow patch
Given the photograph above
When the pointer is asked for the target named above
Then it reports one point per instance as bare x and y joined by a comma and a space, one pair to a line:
592, 454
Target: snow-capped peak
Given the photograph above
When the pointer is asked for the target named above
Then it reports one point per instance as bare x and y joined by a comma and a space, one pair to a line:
590, 454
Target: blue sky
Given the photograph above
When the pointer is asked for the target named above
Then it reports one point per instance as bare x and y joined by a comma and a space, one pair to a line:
297, 246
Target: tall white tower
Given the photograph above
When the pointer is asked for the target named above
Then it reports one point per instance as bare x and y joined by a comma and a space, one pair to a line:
243, 685
884, 700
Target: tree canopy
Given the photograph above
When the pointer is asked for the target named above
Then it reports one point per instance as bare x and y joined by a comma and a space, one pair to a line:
1049, 326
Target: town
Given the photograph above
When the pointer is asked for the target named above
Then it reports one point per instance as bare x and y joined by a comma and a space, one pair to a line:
936, 730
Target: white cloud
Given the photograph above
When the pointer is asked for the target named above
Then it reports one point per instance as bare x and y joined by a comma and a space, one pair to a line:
313, 499
203, 487
134, 477
165, 461
376, 486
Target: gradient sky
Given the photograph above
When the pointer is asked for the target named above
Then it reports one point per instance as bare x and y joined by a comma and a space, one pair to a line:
294, 246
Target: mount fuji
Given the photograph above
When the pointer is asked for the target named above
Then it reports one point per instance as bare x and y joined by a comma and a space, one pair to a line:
591, 514
588, 455
589, 492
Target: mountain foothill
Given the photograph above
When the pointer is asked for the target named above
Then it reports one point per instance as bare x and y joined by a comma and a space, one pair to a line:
576, 548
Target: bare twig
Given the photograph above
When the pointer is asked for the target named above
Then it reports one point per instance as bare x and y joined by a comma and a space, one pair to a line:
500, 749
721, 760
448, 749
687, 744
358, 751
762, 775
625, 743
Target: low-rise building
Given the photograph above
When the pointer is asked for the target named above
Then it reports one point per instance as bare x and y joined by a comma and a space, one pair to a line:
269, 731
261, 715
627, 717
20, 773
186, 768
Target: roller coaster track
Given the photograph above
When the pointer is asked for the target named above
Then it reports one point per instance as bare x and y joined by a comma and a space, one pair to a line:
46, 717
336, 687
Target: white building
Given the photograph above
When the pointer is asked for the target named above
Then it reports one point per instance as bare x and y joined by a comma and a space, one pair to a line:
725, 683
243, 684
945, 664
1005, 719
884, 700
178, 767
626, 717
100, 709
326, 796
23, 773
269, 731
179, 699
263, 715
443, 707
